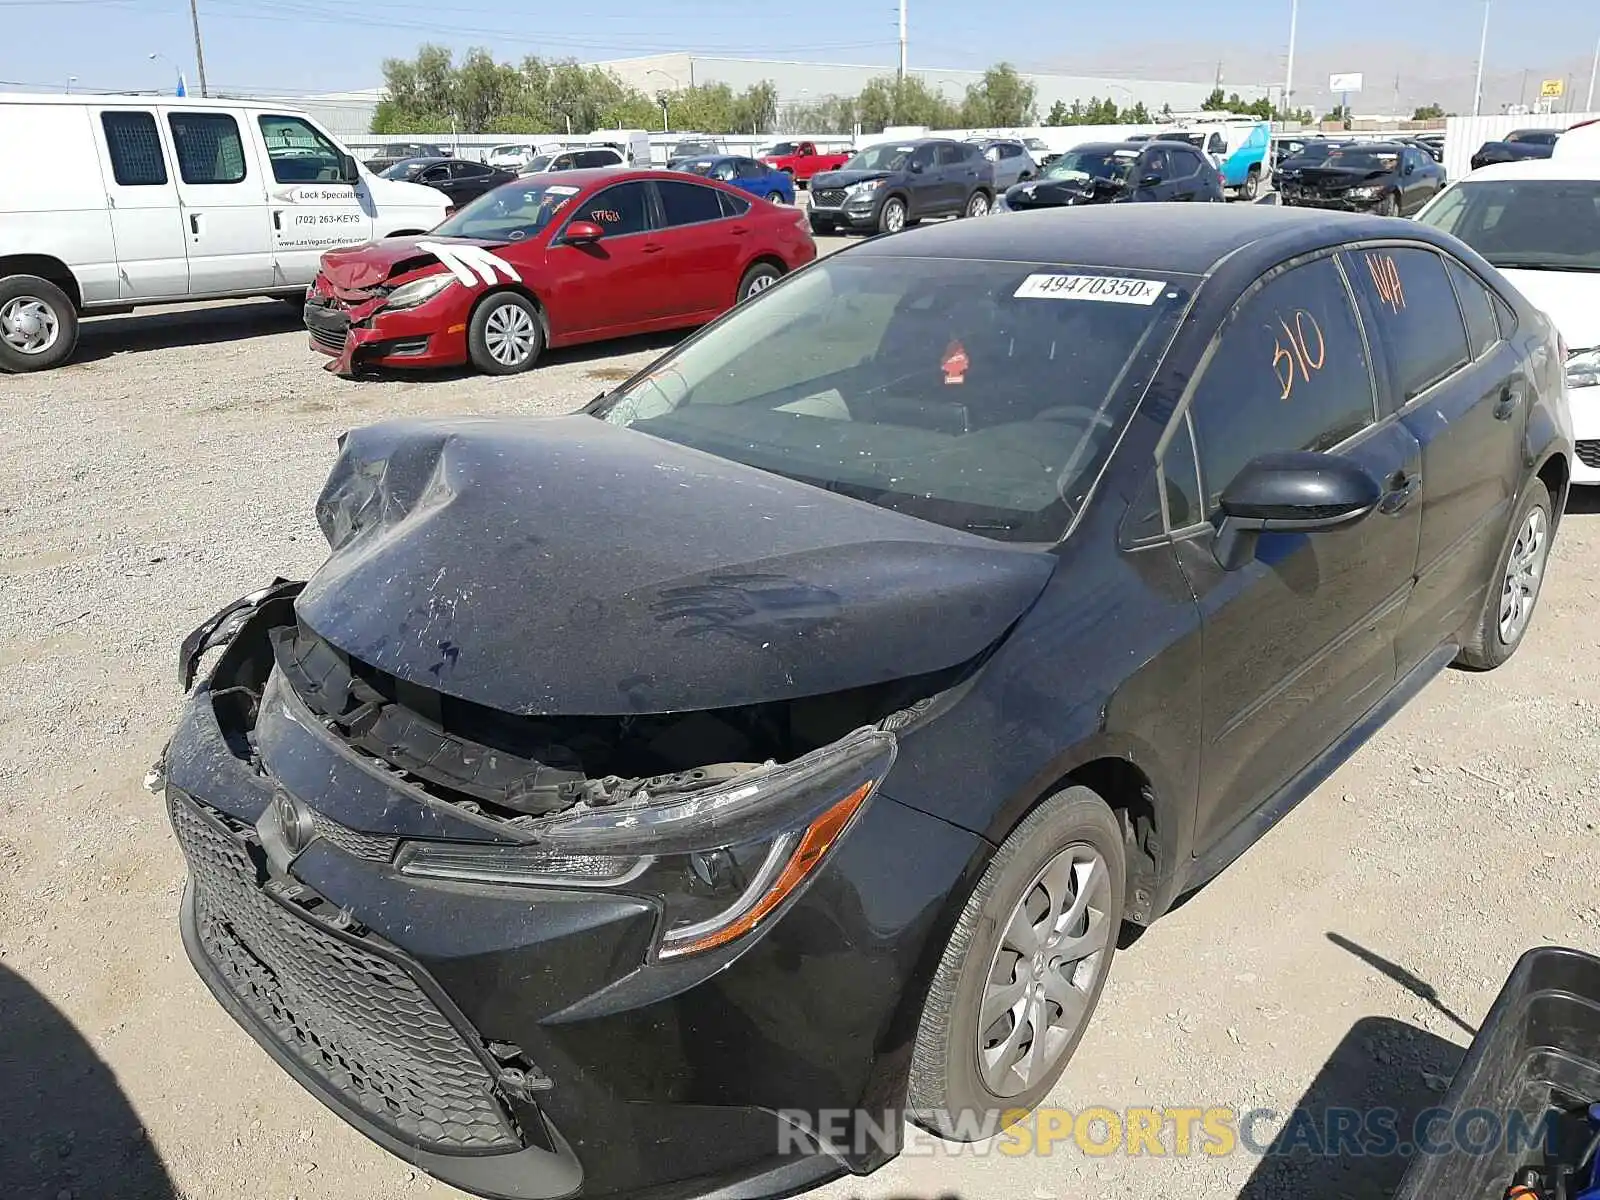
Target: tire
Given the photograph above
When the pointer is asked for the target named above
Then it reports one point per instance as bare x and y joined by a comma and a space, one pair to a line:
757, 280
505, 336
776, 198
38, 324
1252, 184
1389, 206
977, 205
949, 1085
1495, 637
892, 216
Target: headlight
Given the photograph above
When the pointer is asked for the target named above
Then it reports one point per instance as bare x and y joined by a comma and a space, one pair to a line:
864, 188
721, 861
419, 291
1583, 368
1365, 193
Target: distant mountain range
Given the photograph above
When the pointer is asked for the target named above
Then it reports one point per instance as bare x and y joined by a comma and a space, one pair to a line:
1424, 77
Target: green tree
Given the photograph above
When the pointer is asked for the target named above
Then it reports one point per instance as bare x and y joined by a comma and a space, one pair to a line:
1059, 114
1428, 112
1215, 102
888, 100
1001, 98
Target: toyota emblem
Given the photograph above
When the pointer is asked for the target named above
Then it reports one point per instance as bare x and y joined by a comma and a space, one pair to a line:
295, 822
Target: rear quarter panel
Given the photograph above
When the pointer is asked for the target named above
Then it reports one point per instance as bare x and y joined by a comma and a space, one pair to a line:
58, 208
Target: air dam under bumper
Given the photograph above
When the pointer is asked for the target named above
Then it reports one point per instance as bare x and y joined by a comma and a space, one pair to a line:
519, 1042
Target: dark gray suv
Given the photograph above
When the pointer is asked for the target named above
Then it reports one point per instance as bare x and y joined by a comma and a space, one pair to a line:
894, 184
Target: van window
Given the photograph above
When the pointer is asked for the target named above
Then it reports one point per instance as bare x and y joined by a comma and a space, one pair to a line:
135, 148
299, 151
208, 147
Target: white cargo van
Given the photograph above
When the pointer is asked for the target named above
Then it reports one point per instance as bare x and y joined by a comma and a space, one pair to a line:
112, 202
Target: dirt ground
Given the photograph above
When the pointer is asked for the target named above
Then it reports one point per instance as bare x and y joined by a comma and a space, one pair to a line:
1345, 960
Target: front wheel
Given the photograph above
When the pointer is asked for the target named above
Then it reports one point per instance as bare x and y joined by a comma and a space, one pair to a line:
505, 336
757, 280
1508, 609
1389, 206
38, 324
1022, 971
892, 217
977, 205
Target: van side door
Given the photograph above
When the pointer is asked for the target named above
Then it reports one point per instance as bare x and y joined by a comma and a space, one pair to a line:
224, 201
312, 208
142, 194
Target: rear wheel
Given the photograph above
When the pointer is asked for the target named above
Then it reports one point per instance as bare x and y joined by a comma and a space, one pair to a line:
1023, 969
1508, 610
1252, 184
776, 198
977, 205
505, 336
757, 280
38, 324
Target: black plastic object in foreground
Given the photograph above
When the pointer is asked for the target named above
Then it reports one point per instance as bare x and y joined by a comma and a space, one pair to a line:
1537, 1053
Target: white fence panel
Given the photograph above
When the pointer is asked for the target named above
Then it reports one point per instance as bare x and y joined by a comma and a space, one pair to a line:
1463, 135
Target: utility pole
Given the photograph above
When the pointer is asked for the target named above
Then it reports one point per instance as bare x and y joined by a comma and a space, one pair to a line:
1594, 71
199, 54
1483, 49
902, 42
1397, 95
1288, 75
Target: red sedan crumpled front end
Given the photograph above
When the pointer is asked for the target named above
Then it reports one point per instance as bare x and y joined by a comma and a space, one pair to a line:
389, 304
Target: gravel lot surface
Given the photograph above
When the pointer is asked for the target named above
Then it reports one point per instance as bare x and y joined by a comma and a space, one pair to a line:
173, 467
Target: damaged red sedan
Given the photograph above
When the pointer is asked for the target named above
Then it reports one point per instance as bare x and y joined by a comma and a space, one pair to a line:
550, 261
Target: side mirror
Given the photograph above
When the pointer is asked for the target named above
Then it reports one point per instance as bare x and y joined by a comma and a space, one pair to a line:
349, 171
1291, 493
584, 233
1150, 180
914, 167
1411, 168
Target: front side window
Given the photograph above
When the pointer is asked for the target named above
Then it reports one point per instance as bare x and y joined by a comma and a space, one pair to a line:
748, 168
925, 157
135, 148
300, 152
688, 203
1525, 224
1289, 373
619, 210
1414, 312
980, 395
510, 213
208, 147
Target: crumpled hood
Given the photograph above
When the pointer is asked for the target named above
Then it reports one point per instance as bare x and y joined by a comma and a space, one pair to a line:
1335, 179
357, 267
567, 566
1046, 193
823, 180
1571, 299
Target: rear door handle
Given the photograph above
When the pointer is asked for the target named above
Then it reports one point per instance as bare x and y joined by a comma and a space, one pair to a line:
1507, 405
739, 229
653, 247
1403, 486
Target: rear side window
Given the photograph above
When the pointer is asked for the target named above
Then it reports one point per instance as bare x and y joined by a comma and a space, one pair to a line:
733, 206
1185, 162
1483, 328
1290, 373
1413, 309
208, 146
135, 148
688, 203
951, 154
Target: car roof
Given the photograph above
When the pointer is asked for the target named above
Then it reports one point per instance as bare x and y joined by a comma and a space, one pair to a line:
424, 160
583, 177
1573, 169
1189, 239
1129, 145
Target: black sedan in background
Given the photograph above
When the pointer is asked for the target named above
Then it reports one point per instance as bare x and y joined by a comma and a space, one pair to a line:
1107, 172
1516, 145
460, 179
1308, 153
664, 800
1386, 178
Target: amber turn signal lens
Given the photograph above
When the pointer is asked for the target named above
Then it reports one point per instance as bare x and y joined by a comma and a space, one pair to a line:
819, 838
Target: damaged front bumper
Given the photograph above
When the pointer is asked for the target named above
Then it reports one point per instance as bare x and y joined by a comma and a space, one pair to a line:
362, 334
532, 1040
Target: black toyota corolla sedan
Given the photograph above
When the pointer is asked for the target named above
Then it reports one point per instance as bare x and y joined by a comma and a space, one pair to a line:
666, 799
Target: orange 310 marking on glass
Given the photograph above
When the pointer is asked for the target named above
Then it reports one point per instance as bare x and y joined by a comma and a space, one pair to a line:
1297, 359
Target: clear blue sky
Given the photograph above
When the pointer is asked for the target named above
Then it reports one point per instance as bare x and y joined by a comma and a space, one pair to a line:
318, 45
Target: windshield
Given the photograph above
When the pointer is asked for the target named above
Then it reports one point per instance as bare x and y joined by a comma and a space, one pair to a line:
1035, 144
887, 157
1312, 152
700, 166
1535, 137
405, 168
1525, 224
979, 395
685, 149
510, 213
1362, 160
1112, 165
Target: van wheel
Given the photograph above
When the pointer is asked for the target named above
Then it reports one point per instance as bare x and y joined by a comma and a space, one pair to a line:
505, 336
38, 324
1023, 970
1252, 184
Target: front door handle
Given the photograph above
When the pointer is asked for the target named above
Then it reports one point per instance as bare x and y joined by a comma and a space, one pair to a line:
1507, 405
194, 224
1402, 488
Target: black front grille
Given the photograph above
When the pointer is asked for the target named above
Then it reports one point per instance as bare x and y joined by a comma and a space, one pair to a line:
829, 198
1589, 454
327, 326
356, 1020
375, 847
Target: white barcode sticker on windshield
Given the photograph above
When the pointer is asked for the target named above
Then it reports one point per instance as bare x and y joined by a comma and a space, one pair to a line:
1109, 288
